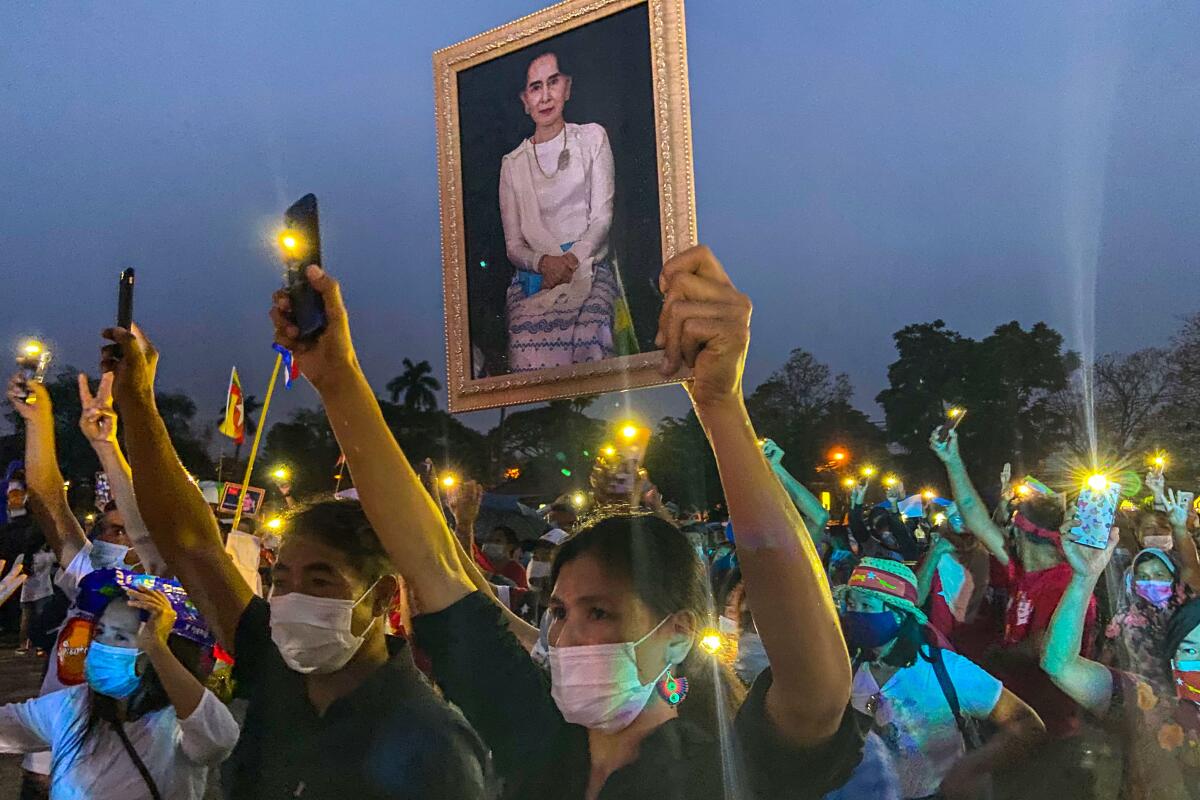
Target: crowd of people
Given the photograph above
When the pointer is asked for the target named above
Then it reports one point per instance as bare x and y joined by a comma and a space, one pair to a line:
394, 647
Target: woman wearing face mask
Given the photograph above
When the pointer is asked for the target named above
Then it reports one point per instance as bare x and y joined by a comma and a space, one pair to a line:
142, 725
633, 707
1160, 722
1134, 638
923, 698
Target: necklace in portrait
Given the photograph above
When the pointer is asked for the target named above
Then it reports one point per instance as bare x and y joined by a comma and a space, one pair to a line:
564, 157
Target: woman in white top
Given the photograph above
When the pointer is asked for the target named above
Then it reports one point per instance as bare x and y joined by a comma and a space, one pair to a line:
142, 726
556, 204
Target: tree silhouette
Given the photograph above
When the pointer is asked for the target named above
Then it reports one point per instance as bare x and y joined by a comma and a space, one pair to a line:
417, 384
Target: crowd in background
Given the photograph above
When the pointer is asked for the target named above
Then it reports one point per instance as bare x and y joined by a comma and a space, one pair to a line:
394, 641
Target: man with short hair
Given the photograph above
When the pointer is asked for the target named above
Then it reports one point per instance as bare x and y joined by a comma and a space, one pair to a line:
331, 714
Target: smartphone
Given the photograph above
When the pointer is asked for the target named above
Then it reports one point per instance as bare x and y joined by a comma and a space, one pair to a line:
1186, 499
33, 366
301, 245
631, 452
944, 434
125, 299
1096, 512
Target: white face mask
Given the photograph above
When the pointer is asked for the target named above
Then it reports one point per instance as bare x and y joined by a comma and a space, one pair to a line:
539, 569
751, 658
598, 686
313, 634
106, 555
727, 626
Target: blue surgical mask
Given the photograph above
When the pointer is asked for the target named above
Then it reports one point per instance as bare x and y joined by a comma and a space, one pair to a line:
868, 630
106, 555
112, 671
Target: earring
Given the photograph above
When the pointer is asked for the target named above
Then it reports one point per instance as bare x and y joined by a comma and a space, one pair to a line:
673, 690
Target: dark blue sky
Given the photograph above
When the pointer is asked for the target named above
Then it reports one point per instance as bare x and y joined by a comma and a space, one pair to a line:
859, 166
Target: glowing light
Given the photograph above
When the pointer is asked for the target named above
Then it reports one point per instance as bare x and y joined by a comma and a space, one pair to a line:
578, 499
275, 523
1024, 489
1097, 482
289, 240
566, 472
608, 450
512, 473
32, 348
838, 454
449, 480
928, 494
868, 471
890, 480
1158, 460
849, 483
281, 473
955, 412
711, 641
939, 518
629, 431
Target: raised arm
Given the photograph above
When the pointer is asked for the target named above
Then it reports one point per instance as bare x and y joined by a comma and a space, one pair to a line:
941, 547
1087, 682
815, 515
1185, 545
180, 523
705, 325
974, 512
404, 516
98, 423
47, 494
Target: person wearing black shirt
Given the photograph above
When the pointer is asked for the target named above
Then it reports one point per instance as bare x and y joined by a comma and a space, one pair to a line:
629, 598
331, 714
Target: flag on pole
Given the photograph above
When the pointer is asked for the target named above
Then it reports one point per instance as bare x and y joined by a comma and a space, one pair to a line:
234, 424
290, 370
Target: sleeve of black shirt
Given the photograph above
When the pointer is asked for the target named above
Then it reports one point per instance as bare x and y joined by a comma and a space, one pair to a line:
485, 671
778, 769
253, 648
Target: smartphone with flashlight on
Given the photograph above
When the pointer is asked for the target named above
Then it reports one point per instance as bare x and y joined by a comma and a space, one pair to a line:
631, 452
300, 242
955, 415
1096, 510
32, 362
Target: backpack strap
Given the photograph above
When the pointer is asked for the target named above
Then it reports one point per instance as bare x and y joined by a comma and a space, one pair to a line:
969, 734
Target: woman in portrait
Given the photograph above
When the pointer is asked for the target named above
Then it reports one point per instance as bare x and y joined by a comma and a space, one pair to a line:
556, 205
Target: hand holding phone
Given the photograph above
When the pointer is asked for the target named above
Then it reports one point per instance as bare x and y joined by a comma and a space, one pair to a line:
32, 362
301, 246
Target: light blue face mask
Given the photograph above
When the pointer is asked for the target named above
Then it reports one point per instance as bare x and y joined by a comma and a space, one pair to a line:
112, 671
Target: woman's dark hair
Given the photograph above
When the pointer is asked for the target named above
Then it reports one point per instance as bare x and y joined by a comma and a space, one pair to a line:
343, 526
909, 640
559, 58
665, 574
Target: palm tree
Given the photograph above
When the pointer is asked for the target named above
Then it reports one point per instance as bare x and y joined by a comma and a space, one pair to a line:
250, 404
417, 384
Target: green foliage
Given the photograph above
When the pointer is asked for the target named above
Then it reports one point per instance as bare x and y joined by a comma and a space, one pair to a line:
418, 386
1009, 382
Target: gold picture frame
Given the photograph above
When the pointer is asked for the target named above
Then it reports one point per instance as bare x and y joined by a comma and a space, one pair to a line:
676, 196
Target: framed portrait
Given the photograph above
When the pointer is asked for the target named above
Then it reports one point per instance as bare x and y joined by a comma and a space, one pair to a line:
565, 172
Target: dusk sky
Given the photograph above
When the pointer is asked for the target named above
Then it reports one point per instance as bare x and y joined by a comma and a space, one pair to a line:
859, 166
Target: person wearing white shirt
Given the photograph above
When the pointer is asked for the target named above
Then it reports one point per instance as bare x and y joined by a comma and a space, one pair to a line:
556, 206
142, 726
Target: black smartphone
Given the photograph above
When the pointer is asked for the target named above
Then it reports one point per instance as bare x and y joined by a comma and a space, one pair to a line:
301, 246
125, 299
